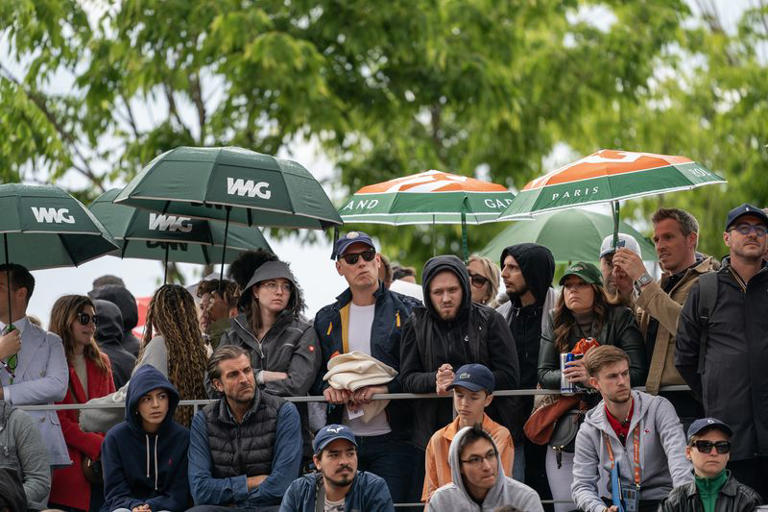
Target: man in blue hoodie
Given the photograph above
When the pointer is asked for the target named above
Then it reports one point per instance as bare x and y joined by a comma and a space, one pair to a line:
145, 457
338, 483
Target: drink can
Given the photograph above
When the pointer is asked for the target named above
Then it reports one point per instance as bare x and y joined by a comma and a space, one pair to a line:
566, 387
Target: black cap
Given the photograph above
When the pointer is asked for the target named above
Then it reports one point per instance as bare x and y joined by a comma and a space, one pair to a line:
707, 423
745, 209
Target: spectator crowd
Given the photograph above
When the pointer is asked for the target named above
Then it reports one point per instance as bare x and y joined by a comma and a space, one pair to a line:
650, 394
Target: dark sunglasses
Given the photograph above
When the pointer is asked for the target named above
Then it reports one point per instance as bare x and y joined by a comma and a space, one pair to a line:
478, 280
367, 255
706, 446
85, 319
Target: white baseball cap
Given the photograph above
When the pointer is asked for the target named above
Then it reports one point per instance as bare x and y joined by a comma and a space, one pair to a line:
625, 240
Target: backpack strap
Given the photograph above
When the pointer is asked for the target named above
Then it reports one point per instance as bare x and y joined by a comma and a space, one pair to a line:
707, 300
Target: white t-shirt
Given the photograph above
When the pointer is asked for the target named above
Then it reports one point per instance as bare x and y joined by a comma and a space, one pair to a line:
360, 325
334, 506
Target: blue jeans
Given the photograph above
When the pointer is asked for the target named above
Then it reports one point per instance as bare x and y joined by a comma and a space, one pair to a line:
397, 462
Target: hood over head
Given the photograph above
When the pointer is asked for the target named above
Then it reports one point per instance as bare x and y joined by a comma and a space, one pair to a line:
453, 460
273, 270
537, 265
123, 299
109, 325
145, 379
449, 262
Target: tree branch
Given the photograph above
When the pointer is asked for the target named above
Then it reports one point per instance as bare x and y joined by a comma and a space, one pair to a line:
197, 98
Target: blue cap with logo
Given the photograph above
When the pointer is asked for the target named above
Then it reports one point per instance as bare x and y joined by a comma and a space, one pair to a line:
353, 237
745, 209
331, 433
474, 377
707, 423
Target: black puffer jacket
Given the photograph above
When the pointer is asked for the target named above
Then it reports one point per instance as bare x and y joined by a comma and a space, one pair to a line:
733, 497
478, 334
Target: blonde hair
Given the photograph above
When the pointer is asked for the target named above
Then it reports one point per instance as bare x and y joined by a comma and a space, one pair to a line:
492, 273
63, 314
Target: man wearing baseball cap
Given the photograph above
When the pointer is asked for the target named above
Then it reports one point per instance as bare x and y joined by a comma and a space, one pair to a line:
472, 389
721, 344
368, 318
615, 279
715, 488
337, 486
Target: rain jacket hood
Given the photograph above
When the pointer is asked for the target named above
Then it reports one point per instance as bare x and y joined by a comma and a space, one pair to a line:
453, 264
110, 326
146, 379
123, 299
537, 265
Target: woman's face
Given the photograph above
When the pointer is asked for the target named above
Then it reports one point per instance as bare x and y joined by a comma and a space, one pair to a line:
273, 294
579, 295
83, 332
479, 284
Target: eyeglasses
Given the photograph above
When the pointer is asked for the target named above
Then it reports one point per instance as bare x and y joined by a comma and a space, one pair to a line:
746, 229
367, 255
477, 280
477, 460
85, 319
274, 285
706, 446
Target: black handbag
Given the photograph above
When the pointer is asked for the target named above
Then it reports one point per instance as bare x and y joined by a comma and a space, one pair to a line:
564, 436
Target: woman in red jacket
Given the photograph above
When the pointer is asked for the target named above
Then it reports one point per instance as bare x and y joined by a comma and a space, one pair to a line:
90, 376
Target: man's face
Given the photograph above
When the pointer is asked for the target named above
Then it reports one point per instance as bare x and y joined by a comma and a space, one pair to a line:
479, 466
513, 278
673, 249
360, 274
469, 404
708, 464
212, 309
446, 294
236, 381
338, 462
613, 382
750, 246
18, 297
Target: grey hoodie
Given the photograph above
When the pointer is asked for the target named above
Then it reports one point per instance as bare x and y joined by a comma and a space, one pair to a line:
662, 452
506, 491
22, 449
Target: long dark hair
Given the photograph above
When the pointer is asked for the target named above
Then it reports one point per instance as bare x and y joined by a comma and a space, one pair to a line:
564, 322
64, 312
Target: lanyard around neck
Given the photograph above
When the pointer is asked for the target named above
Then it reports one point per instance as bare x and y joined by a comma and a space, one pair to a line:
636, 446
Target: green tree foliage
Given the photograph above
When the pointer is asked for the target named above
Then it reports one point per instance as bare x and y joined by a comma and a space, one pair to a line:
387, 89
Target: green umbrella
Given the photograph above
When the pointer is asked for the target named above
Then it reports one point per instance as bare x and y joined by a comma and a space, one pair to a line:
44, 227
156, 236
571, 235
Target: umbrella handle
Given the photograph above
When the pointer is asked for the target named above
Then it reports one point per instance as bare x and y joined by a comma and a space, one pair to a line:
224, 250
615, 205
8, 279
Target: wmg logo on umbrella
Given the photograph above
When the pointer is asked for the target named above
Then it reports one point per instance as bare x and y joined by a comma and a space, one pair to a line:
250, 188
160, 222
52, 215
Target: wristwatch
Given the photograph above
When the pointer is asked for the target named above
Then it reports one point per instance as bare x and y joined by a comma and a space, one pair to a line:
642, 281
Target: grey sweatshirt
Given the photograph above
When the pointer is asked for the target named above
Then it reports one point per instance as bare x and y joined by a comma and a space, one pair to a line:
22, 449
101, 420
662, 452
454, 497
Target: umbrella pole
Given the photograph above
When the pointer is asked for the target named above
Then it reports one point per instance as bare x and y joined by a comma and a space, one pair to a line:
8, 279
224, 250
464, 244
615, 205
165, 264
434, 236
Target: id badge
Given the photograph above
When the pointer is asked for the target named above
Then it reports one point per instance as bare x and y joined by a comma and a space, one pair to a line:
630, 495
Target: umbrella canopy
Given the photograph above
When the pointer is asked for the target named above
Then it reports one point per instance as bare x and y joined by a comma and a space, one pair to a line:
572, 235
609, 175
429, 197
164, 237
231, 184
45, 227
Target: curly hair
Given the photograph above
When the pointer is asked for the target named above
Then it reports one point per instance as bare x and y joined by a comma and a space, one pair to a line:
564, 321
226, 289
172, 313
241, 270
64, 313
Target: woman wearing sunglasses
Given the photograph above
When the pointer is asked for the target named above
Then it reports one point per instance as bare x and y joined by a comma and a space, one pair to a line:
715, 489
484, 276
77, 487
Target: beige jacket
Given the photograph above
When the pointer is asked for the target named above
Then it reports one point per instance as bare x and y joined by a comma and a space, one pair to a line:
653, 302
355, 370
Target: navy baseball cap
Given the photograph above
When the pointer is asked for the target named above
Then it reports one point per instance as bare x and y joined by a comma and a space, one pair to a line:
474, 377
353, 237
745, 209
331, 433
706, 423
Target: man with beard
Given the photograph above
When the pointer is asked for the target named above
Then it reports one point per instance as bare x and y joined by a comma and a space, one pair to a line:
244, 449
631, 439
337, 486
527, 270
721, 352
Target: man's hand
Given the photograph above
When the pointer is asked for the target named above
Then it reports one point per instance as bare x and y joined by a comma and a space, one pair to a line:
365, 395
443, 379
337, 396
10, 344
254, 481
576, 372
612, 508
142, 508
629, 262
